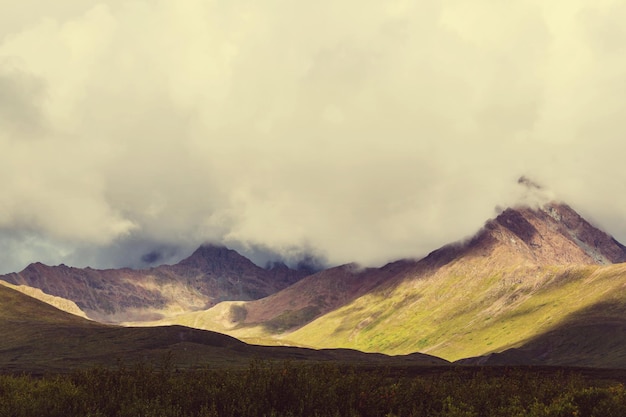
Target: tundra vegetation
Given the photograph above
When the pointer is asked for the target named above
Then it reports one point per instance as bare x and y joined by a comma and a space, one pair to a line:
265, 388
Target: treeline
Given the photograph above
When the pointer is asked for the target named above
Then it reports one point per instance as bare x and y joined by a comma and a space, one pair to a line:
288, 389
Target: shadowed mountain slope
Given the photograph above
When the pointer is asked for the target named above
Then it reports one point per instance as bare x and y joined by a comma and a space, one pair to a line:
210, 275
593, 336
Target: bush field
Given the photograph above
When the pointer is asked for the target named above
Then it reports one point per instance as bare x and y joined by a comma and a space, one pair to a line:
292, 389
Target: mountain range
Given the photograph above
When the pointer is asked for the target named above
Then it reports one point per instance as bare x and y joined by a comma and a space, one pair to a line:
210, 275
535, 285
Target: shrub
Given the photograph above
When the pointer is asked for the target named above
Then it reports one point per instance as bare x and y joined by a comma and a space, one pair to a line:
295, 389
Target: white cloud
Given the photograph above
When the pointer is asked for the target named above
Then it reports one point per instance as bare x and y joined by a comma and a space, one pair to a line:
364, 130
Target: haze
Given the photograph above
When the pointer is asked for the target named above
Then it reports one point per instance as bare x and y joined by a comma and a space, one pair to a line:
133, 131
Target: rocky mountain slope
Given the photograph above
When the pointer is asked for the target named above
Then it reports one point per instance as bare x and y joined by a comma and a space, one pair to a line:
210, 275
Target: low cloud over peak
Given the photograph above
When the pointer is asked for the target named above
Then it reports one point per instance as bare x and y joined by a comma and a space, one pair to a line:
359, 132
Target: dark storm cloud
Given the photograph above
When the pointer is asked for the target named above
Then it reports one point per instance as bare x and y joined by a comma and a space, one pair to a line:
151, 257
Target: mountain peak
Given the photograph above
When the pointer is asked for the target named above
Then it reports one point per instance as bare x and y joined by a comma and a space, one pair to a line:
211, 249
208, 255
548, 234
555, 233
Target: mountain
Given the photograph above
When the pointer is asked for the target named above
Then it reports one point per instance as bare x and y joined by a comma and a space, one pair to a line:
515, 286
553, 234
210, 275
535, 285
518, 281
38, 338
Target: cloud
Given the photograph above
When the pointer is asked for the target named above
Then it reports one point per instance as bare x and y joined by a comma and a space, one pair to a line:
361, 131
20, 109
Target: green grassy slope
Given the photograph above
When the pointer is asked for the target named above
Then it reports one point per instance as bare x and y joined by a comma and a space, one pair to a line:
454, 315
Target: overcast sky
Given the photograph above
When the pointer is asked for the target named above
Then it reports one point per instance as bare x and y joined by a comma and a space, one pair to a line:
133, 131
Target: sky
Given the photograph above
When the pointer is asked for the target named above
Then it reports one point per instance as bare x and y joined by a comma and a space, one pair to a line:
352, 131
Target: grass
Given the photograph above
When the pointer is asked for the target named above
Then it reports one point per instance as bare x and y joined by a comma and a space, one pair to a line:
454, 315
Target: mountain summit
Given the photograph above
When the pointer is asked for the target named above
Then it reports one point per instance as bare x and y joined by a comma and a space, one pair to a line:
550, 234
553, 234
213, 258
